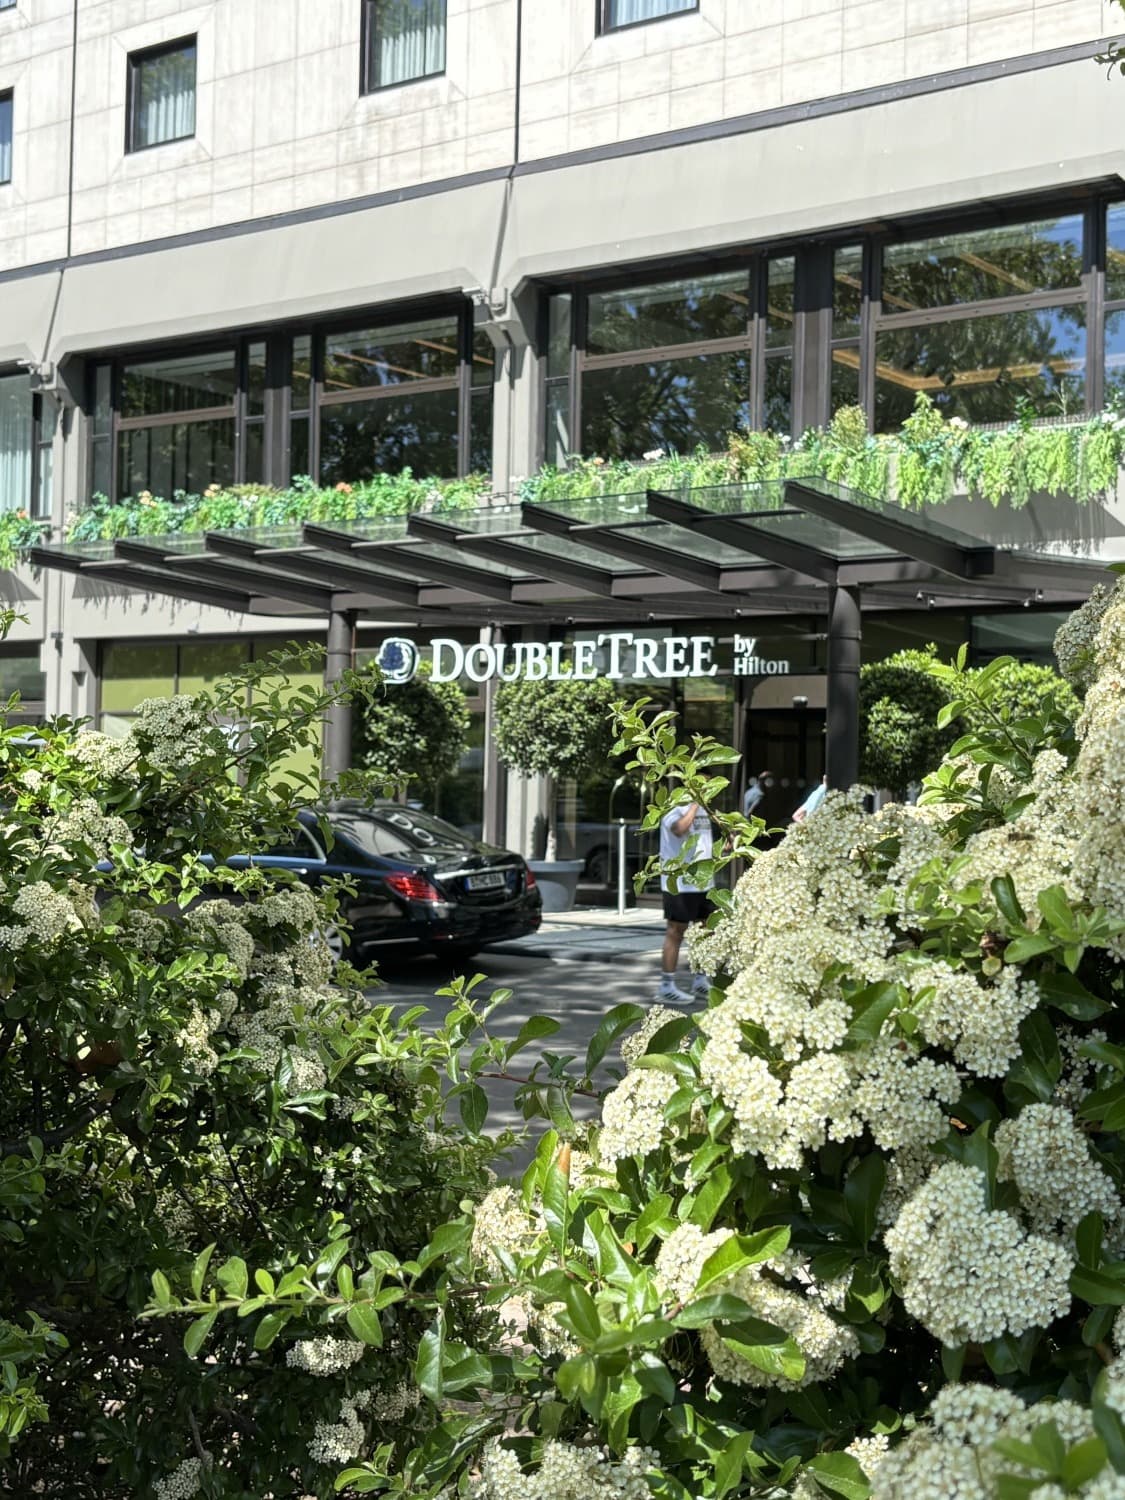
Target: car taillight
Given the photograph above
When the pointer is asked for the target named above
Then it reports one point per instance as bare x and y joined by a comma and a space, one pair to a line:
413, 887
530, 881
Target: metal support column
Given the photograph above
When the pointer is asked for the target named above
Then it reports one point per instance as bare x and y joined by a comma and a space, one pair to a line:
845, 634
337, 756
494, 817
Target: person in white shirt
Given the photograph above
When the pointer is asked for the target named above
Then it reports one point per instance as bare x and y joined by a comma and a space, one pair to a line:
812, 802
756, 791
685, 833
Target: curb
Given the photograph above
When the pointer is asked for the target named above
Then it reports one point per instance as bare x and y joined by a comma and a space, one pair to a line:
571, 953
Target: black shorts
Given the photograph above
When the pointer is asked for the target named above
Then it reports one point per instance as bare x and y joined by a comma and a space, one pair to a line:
686, 906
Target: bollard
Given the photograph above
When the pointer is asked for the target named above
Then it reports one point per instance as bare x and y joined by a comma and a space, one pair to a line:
621, 867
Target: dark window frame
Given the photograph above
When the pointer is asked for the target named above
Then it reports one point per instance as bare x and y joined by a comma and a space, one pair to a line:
8, 4
278, 411
368, 34
134, 64
31, 501
8, 97
604, 27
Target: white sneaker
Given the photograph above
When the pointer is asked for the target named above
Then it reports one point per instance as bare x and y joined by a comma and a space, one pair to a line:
670, 994
701, 991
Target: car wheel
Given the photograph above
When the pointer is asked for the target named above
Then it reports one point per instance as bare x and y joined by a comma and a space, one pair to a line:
332, 938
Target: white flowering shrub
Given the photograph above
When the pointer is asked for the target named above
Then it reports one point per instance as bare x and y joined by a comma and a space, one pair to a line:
188, 1088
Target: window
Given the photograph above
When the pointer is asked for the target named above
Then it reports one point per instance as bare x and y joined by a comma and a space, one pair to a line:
403, 40
7, 4
27, 430
668, 365
1115, 304
5, 137
161, 104
337, 405
614, 14
847, 314
982, 321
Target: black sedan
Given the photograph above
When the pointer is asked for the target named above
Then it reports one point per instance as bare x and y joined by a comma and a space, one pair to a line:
420, 884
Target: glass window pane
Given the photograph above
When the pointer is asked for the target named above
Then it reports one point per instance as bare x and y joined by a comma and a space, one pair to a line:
48, 423
557, 444
391, 356
301, 376
1115, 251
779, 302
480, 431
16, 437
981, 263
186, 382
103, 399
5, 137
132, 673
631, 12
100, 481
673, 312
163, 96
202, 663
675, 404
254, 457
1115, 356
185, 456
256, 380
298, 446
845, 378
981, 368
847, 291
21, 673
405, 40
361, 438
778, 414
484, 360
559, 311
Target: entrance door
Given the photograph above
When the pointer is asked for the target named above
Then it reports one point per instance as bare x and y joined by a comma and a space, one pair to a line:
789, 743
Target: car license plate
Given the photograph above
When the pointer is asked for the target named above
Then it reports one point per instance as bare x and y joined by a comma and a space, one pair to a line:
491, 880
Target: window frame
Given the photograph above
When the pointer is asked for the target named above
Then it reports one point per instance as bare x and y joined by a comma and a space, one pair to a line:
277, 418
8, 97
603, 26
31, 502
368, 34
135, 62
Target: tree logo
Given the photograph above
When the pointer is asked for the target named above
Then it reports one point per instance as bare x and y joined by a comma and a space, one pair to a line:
397, 659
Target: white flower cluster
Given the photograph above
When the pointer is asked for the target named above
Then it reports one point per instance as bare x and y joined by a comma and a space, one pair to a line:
1046, 1155
340, 1441
170, 731
107, 757
953, 1455
633, 1114
636, 1043
565, 1472
501, 1223
393, 1405
84, 822
216, 924
969, 1273
324, 1356
44, 916
802, 1313
292, 906
1077, 636
182, 1483
976, 1021
1099, 862
195, 1039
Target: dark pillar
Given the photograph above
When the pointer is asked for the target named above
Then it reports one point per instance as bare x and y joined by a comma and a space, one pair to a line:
845, 633
495, 775
337, 754
812, 338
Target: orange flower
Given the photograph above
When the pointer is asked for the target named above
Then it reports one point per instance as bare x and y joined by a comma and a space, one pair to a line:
343, 489
21, 515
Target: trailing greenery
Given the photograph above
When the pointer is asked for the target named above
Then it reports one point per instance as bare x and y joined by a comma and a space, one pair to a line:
924, 464
414, 731
18, 533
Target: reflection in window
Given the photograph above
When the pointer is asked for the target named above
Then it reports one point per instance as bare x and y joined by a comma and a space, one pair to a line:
400, 355
779, 302
1115, 252
482, 379
778, 414
673, 404
192, 382
979, 368
17, 436
845, 378
983, 263
176, 425
672, 312
847, 291
416, 429
1115, 357
186, 456
618, 13
162, 95
5, 137
403, 40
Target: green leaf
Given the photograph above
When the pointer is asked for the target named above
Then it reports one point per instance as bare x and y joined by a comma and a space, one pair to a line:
863, 1191
839, 1474
739, 1251
532, 1030
556, 1193
870, 1009
711, 1197
231, 1276
784, 1360
264, 1282
445, 1241
731, 1463
583, 1312
654, 1212
430, 1359
195, 1335
269, 1328
1055, 907
199, 1270
1071, 996
619, 1019
654, 1376
1022, 948
161, 1291
1098, 1288
364, 1322
1083, 1462
1088, 1239
1004, 894
473, 1104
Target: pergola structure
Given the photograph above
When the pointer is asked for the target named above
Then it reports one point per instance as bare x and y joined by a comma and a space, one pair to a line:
805, 545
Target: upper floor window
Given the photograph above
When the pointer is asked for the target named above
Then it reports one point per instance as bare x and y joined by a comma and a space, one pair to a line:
403, 40
7, 4
27, 429
161, 104
5, 137
614, 14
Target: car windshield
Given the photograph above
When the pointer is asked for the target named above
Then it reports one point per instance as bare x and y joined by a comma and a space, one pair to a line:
395, 832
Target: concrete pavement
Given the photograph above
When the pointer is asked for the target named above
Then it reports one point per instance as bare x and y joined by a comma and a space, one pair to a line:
593, 934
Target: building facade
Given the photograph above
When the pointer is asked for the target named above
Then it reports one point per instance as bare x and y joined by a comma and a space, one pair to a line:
243, 241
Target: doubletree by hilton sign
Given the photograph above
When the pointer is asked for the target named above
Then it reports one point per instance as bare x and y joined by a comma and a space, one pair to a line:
617, 654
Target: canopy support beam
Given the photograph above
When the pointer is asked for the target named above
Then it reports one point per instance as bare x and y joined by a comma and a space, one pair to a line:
845, 636
337, 747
